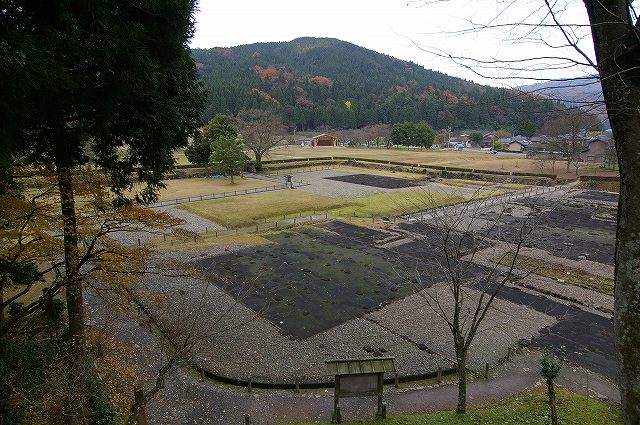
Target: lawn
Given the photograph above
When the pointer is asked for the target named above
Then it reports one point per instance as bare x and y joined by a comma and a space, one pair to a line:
492, 185
443, 157
570, 275
184, 188
397, 203
466, 159
527, 408
180, 158
248, 210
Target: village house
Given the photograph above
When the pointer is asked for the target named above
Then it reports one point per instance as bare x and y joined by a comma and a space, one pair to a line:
597, 150
324, 140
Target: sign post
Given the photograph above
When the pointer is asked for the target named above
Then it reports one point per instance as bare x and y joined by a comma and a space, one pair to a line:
360, 378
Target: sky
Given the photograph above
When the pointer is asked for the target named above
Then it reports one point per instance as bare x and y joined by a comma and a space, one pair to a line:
407, 30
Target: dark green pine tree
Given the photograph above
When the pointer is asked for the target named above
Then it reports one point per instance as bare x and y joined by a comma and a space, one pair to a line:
112, 77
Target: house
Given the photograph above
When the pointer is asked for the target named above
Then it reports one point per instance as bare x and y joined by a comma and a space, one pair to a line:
597, 150
511, 145
324, 140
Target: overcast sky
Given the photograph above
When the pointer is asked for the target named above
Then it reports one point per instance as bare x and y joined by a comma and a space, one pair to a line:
386, 26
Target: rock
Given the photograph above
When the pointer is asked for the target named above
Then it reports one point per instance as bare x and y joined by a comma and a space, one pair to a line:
368, 349
522, 343
421, 346
581, 257
376, 354
567, 244
382, 350
561, 281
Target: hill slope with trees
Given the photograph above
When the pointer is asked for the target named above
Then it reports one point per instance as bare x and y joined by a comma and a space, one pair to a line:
309, 81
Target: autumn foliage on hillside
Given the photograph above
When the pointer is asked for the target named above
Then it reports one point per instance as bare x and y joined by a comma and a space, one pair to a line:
308, 80
321, 81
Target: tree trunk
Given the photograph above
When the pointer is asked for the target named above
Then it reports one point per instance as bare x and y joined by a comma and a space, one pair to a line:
621, 87
73, 284
3, 282
551, 391
258, 160
462, 384
76, 408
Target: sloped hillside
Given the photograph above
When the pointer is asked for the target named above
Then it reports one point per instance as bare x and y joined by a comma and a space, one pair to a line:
314, 82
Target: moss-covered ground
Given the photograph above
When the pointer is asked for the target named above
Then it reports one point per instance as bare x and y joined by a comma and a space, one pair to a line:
529, 408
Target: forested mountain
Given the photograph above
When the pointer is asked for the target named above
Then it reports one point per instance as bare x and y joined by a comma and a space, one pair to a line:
310, 80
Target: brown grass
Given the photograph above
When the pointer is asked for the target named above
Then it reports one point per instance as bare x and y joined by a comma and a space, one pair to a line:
183, 188
570, 275
465, 159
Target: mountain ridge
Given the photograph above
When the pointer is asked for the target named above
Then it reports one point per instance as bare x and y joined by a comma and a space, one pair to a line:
308, 81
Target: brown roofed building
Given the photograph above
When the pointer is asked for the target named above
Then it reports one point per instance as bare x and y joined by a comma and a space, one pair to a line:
324, 140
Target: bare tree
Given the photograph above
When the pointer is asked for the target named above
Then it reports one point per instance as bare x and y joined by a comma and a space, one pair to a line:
601, 49
186, 321
260, 131
453, 240
378, 133
569, 130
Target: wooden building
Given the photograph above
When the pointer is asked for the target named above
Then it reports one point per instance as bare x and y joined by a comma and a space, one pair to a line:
324, 140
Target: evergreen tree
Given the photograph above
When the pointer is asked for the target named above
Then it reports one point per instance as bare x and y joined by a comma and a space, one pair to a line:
226, 156
110, 76
199, 151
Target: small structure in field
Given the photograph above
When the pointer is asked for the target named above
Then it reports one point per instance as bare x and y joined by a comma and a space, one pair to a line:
360, 378
509, 145
596, 151
324, 140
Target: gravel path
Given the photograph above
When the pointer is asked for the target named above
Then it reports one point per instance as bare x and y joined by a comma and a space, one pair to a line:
320, 185
192, 222
187, 400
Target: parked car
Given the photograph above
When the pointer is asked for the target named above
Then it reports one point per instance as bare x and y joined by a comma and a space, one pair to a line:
493, 151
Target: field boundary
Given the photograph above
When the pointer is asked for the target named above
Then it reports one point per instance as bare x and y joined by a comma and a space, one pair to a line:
218, 195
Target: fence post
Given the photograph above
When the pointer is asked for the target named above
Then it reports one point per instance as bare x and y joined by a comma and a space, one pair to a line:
439, 375
138, 395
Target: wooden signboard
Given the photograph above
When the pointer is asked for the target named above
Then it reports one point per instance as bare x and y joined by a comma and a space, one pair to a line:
360, 378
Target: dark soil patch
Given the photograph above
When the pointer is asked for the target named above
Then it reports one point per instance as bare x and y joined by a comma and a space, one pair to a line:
593, 350
598, 196
376, 181
309, 281
359, 233
569, 230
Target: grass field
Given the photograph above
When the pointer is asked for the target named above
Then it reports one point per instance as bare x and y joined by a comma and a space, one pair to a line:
492, 185
527, 408
183, 188
248, 210
570, 275
467, 159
